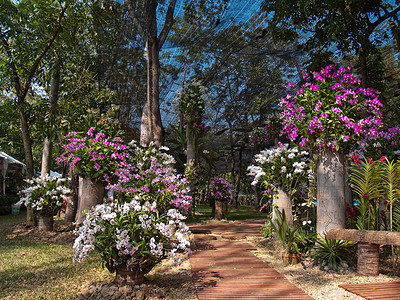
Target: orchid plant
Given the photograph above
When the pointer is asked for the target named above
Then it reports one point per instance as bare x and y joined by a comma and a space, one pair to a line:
93, 154
220, 189
145, 221
191, 104
385, 142
45, 195
331, 110
281, 166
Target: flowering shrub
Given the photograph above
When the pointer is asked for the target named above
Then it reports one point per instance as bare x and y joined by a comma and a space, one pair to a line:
220, 189
45, 195
94, 154
192, 106
134, 233
281, 166
331, 110
145, 223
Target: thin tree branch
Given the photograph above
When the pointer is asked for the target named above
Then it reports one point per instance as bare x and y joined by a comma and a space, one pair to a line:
25, 86
169, 21
16, 78
381, 19
135, 20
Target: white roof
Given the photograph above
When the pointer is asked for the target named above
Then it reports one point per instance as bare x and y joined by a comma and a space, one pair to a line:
11, 160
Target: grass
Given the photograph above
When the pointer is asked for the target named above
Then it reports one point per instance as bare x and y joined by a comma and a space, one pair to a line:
203, 214
36, 269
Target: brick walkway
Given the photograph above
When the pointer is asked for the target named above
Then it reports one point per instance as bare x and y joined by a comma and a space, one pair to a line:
226, 269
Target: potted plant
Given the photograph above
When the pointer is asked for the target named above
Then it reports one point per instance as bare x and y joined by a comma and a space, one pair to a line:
45, 196
145, 221
220, 192
95, 156
281, 169
286, 233
329, 114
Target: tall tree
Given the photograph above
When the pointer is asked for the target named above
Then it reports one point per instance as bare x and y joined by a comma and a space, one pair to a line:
357, 26
28, 30
145, 15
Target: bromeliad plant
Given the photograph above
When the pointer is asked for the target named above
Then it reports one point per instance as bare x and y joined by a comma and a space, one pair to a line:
93, 154
331, 110
332, 252
46, 195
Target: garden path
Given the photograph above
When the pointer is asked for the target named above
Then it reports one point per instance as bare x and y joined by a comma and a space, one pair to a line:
224, 268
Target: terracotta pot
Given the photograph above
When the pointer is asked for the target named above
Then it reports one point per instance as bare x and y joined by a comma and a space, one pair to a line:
291, 258
45, 222
132, 276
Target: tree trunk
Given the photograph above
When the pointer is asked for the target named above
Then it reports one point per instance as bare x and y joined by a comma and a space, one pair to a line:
151, 129
363, 67
90, 194
283, 202
330, 191
190, 164
220, 209
53, 99
72, 208
26, 139
238, 182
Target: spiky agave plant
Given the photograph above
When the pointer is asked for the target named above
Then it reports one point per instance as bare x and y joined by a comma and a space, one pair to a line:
366, 182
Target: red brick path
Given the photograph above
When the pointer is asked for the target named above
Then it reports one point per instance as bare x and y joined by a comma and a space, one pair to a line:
226, 269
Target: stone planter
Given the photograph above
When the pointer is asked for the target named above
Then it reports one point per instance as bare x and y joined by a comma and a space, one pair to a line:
45, 221
90, 194
283, 202
330, 191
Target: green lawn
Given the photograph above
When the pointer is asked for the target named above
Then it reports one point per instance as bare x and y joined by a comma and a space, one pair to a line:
203, 214
36, 269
